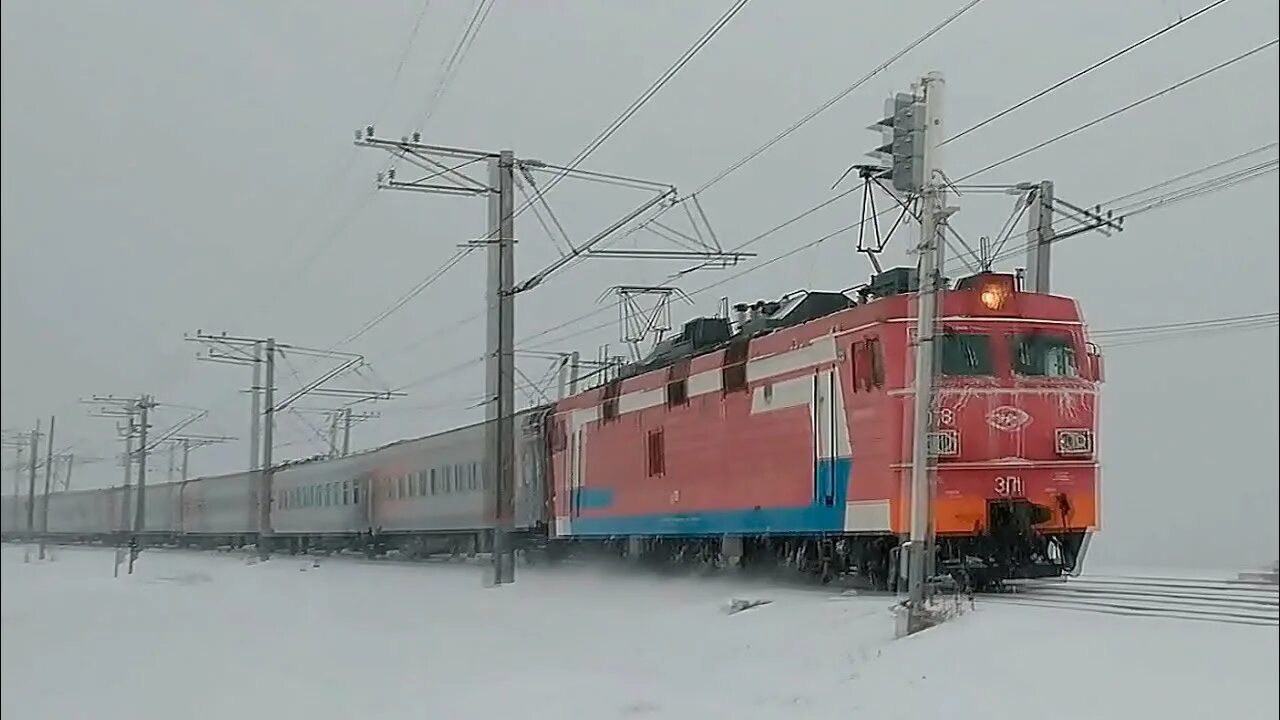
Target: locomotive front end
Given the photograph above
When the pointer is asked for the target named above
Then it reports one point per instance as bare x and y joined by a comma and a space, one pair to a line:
1014, 433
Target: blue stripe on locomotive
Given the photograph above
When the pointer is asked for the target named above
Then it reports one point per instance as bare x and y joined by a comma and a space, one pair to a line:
824, 515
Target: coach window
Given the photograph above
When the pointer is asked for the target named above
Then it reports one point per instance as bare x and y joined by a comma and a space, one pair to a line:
404, 486
966, 354
346, 492
1044, 354
433, 481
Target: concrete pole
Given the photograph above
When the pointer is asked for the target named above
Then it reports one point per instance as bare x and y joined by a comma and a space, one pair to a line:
268, 439
186, 457
140, 504
499, 363
575, 369
127, 490
255, 452
562, 377
346, 432
17, 490
932, 217
333, 434
31, 493
48, 486
1040, 237
71, 462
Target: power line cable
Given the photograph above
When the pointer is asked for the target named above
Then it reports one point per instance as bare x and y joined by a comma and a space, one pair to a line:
1085, 71
1206, 187
405, 298
450, 67
855, 225
1126, 108
679, 63
1051, 140
1193, 173
446, 372
582, 155
732, 168
404, 58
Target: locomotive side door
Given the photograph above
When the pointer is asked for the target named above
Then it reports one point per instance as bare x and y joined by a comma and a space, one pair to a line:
824, 437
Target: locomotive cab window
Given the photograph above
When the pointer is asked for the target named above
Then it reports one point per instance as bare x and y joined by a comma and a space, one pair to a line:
1044, 355
966, 354
868, 364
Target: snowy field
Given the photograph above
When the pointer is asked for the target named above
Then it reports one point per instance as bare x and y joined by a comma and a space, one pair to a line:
194, 636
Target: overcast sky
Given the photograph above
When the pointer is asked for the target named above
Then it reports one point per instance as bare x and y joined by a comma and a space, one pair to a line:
169, 167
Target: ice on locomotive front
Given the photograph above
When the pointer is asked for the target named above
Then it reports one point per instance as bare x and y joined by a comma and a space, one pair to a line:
1014, 432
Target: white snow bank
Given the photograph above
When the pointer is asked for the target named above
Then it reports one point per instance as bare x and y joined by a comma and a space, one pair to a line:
196, 636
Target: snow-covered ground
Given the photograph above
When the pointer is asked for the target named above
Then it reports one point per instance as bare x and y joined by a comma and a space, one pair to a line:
194, 636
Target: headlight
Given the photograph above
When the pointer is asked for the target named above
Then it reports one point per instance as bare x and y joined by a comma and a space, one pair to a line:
1074, 442
993, 296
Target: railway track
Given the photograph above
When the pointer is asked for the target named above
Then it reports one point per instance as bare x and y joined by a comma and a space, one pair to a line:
1253, 599
1241, 602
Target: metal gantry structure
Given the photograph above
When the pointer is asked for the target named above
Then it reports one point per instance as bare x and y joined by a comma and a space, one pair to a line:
135, 417
261, 355
444, 167
338, 421
20, 443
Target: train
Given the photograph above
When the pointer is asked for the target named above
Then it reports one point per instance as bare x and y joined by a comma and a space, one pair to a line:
780, 437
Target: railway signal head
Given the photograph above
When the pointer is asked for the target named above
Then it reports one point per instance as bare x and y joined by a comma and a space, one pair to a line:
902, 146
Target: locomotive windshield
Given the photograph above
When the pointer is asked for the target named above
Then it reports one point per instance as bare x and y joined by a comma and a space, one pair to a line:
1044, 355
966, 354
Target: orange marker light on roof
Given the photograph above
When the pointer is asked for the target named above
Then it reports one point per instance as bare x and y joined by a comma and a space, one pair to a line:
994, 295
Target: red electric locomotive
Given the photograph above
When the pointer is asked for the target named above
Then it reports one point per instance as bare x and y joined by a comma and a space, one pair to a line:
786, 436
